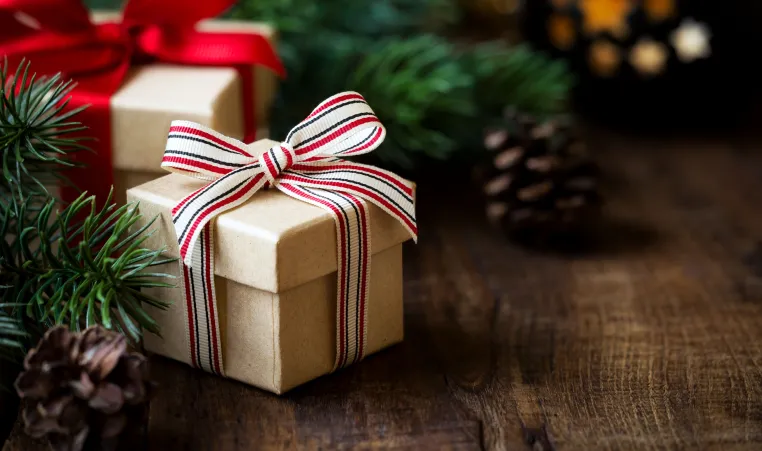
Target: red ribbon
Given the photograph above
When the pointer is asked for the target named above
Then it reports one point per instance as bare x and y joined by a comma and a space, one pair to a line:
58, 36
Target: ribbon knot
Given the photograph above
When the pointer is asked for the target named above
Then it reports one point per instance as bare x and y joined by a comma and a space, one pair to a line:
276, 160
307, 167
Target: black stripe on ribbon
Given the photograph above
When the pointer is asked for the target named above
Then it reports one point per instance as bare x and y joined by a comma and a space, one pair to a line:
349, 264
201, 244
330, 129
360, 268
370, 188
195, 317
203, 141
320, 116
361, 143
275, 160
316, 176
182, 210
202, 157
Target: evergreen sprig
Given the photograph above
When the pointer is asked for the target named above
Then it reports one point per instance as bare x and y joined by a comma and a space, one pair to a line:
415, 86
434, 97
35, 132
518, 77
62, 269
12, 336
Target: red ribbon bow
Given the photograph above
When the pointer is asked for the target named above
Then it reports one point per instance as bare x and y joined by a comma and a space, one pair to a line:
58, 36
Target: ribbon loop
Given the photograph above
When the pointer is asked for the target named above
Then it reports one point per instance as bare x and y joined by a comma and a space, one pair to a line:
305, 166
342, 125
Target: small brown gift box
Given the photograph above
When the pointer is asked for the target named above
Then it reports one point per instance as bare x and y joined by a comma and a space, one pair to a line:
153, 96
275, 275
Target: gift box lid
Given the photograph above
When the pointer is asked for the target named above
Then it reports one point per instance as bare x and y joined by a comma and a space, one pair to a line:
273, 242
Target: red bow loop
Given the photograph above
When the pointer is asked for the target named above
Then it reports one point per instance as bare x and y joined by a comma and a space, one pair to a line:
58, 35
57, 16
172, 14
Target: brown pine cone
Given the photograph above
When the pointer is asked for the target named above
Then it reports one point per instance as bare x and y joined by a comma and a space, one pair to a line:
539, 183
83, 390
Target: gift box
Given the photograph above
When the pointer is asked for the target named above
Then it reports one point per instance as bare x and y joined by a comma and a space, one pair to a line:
137, 70
275, 274
154, 95
280, 279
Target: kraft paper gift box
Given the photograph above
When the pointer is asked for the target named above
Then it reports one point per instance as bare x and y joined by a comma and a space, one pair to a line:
276, 283
154, 95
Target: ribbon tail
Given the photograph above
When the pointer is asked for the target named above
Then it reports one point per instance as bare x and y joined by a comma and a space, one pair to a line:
352, 219
95, 175
391, 193
202, 324
194, 212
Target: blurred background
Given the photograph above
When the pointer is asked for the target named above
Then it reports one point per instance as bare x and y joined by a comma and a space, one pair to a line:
507, 91
430, 66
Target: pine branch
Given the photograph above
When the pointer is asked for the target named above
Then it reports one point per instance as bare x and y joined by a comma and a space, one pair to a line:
434, 98
415, 86
62, 270
36, 133
12, 336
517, 77
369, 18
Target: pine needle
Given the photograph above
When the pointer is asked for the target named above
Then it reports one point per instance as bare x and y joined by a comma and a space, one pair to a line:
78, 272
35, 142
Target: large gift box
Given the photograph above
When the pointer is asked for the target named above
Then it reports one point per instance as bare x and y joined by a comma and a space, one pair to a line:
138, 70
288, 285
154, 95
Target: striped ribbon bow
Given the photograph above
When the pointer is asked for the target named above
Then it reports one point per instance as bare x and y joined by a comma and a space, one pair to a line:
305, 166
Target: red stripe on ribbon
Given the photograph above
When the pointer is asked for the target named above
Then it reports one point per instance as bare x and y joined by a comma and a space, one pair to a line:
342, 265
177, 207
194, 164
191, 322
364, 275
289, 157
269, 163
322, 142
370, 143
336, 100
328, 184
211, 298
210, 210
347, 165
210, 137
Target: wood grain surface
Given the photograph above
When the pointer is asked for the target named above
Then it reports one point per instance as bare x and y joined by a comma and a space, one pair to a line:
649, 338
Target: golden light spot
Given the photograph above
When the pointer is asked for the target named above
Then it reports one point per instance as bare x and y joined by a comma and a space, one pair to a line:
561, 31
604, 58
658, 10
606, 15
648, 57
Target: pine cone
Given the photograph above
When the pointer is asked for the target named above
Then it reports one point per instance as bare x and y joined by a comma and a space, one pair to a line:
83, 390
540, 184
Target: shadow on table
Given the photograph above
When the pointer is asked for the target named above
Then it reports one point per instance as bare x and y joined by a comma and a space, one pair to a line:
609, 236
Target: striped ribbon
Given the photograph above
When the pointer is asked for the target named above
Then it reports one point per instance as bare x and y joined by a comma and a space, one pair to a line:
305, 166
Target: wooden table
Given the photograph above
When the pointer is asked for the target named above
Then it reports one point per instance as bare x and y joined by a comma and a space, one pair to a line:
652, 339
